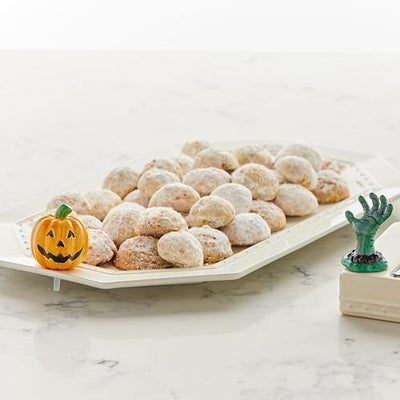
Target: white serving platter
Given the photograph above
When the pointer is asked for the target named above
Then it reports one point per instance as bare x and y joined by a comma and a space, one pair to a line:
363, 173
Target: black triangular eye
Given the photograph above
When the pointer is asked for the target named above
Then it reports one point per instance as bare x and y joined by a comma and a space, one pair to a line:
70, 234
51, 234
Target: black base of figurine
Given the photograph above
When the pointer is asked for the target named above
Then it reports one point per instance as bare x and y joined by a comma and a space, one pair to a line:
361, 263
354, 257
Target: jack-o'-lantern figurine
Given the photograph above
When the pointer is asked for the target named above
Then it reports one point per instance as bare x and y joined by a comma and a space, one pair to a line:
59, 241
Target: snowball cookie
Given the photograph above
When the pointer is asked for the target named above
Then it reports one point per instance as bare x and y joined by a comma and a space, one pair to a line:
301, 150
140, 252
295, 200
253, 154
331, 187
295, 169
270, 213
153, 179
101, 202
185, 162
101, 247
166, 164
76, 201
179, 196
238, 195
215, 244
193, 148
205, 180
261, 181
215, 158
247, 229
181, 249
186, 218
331, 165
157, 221
128, 205
120, 223
273, 148
211, 210
137, 197
281, 179
90, 222
121, 181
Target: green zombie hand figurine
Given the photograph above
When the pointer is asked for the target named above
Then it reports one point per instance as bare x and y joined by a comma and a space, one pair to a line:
365, 258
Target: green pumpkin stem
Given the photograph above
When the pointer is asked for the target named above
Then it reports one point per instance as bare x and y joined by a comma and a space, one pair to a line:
63, 211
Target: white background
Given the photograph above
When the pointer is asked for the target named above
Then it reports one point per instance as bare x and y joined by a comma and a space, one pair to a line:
252, 25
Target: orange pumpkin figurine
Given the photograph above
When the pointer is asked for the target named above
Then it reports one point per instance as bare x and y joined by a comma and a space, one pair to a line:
59, 241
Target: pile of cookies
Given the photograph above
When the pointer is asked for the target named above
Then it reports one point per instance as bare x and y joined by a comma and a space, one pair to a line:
189, 210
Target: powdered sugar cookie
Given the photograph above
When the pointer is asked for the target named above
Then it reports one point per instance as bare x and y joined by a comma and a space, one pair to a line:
272, 148
76, 201
247, 229
301, 150
238, 195
186, 218
261, 181
121, 222
157, 221
101, 201
253, 154
270, 213
181, 249
215, 244
331, 187
121, 181
166, 164
297, 170
128, 205
179, 196
90, 222
295, 200
281, 179
101, 247
185, 162
215, 158
138, 197
211, 210
205, 180
331, 165
155, 178
140, 252
195, 147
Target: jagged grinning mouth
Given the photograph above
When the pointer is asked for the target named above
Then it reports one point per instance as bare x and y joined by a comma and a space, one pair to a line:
59, 258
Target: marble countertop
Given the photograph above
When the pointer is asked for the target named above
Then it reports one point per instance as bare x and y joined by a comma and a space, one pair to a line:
275, 334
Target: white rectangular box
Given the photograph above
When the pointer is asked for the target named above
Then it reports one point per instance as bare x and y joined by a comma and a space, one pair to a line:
377, 294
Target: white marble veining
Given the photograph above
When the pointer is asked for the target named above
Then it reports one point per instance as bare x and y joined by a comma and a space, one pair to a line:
276, 334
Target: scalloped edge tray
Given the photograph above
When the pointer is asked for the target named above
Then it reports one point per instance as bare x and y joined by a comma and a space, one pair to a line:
363, 172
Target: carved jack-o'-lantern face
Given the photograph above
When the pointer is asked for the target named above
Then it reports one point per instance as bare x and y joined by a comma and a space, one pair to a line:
59, 241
